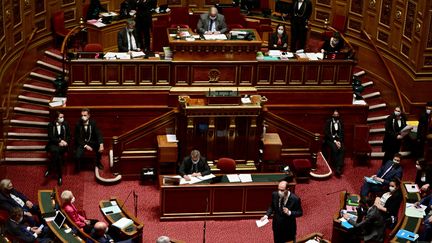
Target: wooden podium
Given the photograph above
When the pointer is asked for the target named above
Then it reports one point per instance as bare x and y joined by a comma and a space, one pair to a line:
272, 147
167, 154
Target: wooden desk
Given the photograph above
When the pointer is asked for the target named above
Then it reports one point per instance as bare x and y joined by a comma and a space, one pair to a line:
167, 155
272, 146
340, 234
217, 49
223, 200
106, 36
132, 232
311, 236
405, 222
47, 204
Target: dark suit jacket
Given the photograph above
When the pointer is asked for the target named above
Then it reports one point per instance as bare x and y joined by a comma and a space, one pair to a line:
329, 131
428, 177
93, 136
19, 231
186, 166
391, 132
54, 137
122, 40
143, 11
392, 204
204, 21
372, 226
328, 48
274, 39
282, 221
423, 127
395, 172
94, 9
6, 202
300, 16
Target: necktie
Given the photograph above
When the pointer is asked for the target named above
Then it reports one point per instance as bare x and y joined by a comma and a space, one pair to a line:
387, 171
281, 204
211, 24
130, 41
194, 168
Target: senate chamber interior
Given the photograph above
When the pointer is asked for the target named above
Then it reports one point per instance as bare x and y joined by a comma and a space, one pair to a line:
216, 121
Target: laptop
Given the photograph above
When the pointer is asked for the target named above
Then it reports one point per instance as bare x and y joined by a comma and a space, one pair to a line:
59, 219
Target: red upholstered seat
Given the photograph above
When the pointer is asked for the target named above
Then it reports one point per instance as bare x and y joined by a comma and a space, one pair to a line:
179, 17
302, 168
339, 22
361, 147
234, 18
314, 45
58, 24
93, 47
226, 165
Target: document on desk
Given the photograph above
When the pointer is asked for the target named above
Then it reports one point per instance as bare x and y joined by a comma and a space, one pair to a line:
117, 55
275, 53
245, 177
412, 188
261, 223
111, 209
206, 177
171, 138
193, 180
123, 223
233, 178
372, 181
416, 212
136, 54
215, 37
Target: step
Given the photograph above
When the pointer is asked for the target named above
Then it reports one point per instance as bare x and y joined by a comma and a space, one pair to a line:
377, 118
33, 99
50, 66
39, 88
26, 142
27, 134
38, 160
371, 95
381, 154
366, 84
359, 73
54, 55
377, 106
31, 111
25, 147
42, 77
376, 130
375, 142
28, 123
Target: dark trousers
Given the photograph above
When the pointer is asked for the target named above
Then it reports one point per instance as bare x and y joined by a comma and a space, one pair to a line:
79, 152
57, 158
298, 35
390, 148
426, 235
143, 27
282, 233
336, 155
368, 187
89, 227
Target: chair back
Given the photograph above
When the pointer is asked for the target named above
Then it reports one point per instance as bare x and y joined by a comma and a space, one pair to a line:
339, 22
179, 16
58, 23
226, 165
93, 47
233, 17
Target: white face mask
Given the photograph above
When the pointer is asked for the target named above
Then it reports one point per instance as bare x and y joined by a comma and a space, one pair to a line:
397, 113
84, 118
396, 162
392, 188
428, 112
130, 30
280, 32
212, 17
73, 200
60, 119
20, 219
281, 194
418, 167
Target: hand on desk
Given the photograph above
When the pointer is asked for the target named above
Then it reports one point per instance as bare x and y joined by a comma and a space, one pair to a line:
196, 174
186, 177
36, 230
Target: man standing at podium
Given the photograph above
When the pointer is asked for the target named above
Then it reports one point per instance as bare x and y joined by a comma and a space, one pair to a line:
285, 207
194, 165
211, 23
127, 38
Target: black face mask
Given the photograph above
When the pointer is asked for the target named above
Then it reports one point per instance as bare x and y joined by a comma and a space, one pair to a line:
336, 118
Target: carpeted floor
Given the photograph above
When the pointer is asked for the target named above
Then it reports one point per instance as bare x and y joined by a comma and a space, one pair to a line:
320, 201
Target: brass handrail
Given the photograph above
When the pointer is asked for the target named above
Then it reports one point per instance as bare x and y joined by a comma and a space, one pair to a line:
402, 106
12, 83
65, 41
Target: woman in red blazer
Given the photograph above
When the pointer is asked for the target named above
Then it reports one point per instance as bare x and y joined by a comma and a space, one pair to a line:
68, 206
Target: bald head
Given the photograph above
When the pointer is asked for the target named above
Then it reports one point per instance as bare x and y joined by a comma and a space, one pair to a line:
100, 228
283, 189
213, 11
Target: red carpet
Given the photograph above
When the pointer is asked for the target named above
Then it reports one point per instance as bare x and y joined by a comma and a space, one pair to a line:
318, 207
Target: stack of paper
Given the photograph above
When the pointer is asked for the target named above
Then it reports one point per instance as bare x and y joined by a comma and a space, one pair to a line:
412, 188
171, 138
117, 55
372, 181
58, 101
196, 179
233, 178
215, 37
261, 223
414, 211
123, 223
136, 54
111, 210
274, 53
240, 178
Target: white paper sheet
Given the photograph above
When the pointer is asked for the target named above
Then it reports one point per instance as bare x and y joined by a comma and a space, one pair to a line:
233, 178
245, 177
261, 223
412, 188
215, 37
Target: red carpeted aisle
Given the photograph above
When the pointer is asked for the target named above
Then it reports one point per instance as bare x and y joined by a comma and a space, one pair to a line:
318, 206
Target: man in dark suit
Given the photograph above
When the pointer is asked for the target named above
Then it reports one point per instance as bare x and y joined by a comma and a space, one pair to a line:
143, 20
88, 138
285, 207
101, 233
58, 141
424, 129
194, 165
23, 233
300, 14
211, 23
333, 140
391, 170
11, 198
127, 38
95, 8
393, 135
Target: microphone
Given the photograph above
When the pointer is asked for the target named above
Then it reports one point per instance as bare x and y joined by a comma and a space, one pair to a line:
205, 221
135, 203
126, 199
341, 190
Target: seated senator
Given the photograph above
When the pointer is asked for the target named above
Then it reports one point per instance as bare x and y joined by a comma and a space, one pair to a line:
211, 23
127, 38
11, 198
426, 235
95, 8
194, 165
388, 204
68, 206
22, 233
101, 234
333, 44
279, 39
389, 171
